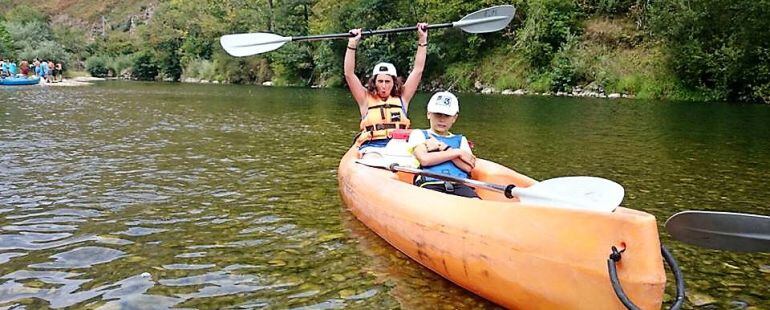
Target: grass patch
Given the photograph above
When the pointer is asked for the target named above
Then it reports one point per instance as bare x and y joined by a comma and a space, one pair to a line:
460, 76
541, 83
504, 69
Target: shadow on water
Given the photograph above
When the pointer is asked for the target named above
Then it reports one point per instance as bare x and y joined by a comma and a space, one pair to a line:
209, 196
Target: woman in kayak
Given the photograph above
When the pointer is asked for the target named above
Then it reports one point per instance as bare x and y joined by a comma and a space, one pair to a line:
440, 151
384, 100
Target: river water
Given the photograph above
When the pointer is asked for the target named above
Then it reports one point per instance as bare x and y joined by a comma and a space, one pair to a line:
151, 195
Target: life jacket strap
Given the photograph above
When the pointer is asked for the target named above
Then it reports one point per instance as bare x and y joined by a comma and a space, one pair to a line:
421, 181
385, 106
384, 126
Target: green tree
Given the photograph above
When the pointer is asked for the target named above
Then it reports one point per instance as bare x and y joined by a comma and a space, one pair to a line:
293, 64
718, 46
548, 25
6, 42
145, 67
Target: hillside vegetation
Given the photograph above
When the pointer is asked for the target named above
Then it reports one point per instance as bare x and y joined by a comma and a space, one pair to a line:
674, 49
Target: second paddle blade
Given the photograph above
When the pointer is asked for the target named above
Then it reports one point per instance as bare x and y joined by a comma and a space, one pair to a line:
721, 230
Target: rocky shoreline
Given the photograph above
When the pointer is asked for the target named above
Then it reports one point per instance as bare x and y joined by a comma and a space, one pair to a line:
592, 90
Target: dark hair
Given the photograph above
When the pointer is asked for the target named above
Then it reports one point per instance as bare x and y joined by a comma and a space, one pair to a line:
398, 84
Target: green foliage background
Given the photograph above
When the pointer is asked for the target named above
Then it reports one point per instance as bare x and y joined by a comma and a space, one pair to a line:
676, 49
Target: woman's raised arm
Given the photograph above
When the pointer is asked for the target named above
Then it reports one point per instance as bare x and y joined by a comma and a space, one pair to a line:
356, 88
413, 81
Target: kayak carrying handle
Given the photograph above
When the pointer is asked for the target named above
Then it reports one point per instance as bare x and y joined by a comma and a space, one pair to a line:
616, 255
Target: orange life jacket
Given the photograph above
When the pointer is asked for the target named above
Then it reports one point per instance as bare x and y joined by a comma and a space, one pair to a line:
382, 118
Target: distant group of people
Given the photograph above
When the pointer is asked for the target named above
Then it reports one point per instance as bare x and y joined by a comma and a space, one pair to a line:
46, 69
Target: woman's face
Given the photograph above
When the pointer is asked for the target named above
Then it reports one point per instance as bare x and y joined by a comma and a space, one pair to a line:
384, 84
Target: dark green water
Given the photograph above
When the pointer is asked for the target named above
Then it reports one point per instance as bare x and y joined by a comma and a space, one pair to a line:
211, 196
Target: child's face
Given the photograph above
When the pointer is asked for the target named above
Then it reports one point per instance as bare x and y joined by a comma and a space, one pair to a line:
441, 123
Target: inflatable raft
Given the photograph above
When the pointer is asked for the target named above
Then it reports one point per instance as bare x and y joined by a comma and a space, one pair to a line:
12, 81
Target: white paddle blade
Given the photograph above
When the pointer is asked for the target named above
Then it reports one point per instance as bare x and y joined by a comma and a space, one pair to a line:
246, 44
487, 20
579, 192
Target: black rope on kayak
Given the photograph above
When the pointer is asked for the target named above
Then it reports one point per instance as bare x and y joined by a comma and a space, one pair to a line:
677, 275
615, 257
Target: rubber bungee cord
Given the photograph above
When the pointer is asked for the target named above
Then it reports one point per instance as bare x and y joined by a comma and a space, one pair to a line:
615, 257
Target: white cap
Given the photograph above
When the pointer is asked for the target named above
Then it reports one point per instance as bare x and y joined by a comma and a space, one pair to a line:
444, 102
384, 68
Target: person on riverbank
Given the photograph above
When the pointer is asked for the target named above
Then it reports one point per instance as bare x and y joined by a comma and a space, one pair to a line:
12, 69
44, 71
3, 68
24, 68
36, 67
58, 76
440, 151
385, 95
50, 73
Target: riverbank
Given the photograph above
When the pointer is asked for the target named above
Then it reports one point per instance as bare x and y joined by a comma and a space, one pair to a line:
76, 81
590, 91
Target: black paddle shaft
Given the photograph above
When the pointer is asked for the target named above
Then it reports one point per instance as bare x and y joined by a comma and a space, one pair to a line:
507, 190
366, 33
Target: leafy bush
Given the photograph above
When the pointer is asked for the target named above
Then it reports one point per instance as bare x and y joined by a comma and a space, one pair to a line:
243, 70
97, 66
548, 25
460, 76
48, 50
145, 68
28, 35
328, 64
201, 69
23, 14
608, 6
120, 63
563, 72
6, 42
541, 83
719, 46
292, 65
763, 92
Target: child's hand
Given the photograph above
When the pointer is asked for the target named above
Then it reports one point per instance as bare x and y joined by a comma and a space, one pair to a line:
432, 144
468, 158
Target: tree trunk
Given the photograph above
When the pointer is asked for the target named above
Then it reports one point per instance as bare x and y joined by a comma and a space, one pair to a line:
270, 16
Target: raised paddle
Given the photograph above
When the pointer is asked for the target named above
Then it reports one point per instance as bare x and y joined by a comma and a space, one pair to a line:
721, 230
577, 192
245, 44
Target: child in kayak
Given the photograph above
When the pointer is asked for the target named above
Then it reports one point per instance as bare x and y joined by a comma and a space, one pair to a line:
384, 100
440, 151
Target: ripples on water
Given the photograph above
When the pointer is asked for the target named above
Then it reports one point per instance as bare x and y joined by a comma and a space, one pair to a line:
202, 196
159, 197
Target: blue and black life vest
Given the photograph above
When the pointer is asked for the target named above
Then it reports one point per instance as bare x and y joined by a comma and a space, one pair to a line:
447, 167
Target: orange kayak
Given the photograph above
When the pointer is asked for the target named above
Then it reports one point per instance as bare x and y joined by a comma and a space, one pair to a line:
514, 254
